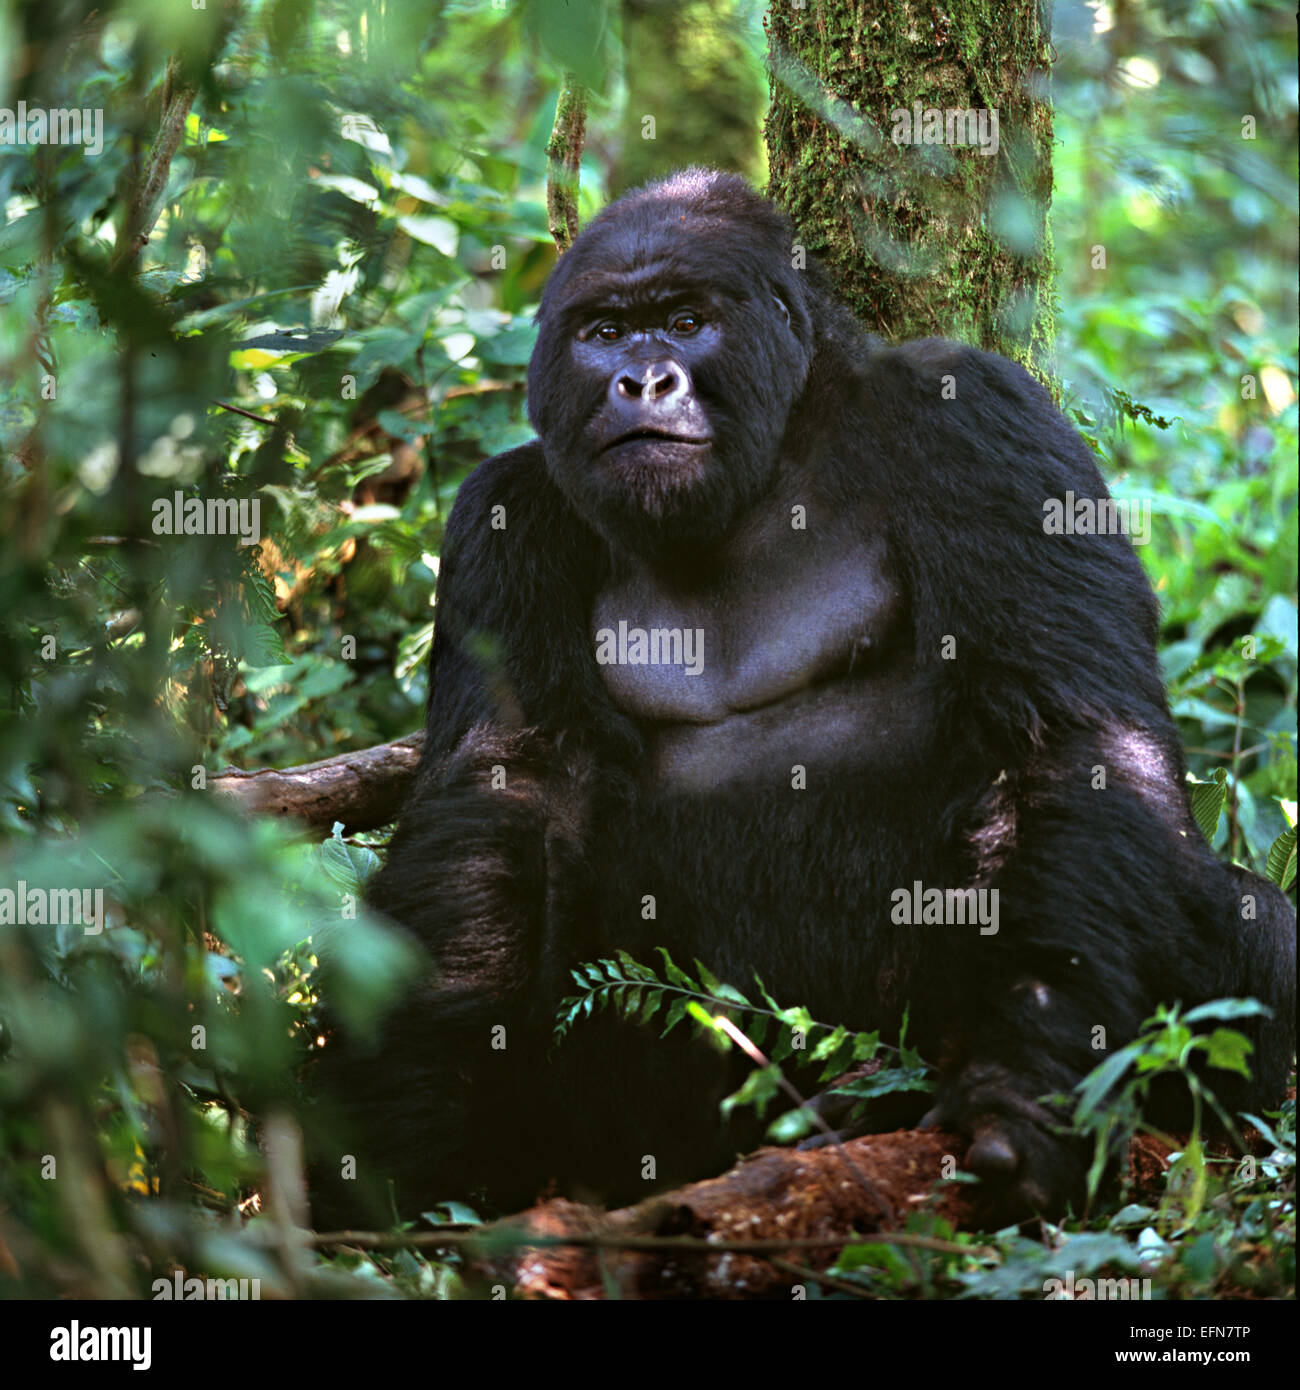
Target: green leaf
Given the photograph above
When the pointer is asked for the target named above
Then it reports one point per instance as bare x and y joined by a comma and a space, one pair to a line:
575, 38
791, 1127
829, 1044
1208, 800
348, 865
1267, 1130
1228, 1049
1094, 1087
677, 1011
439, 232
886, 1081
757, 1090
1281, 860
1227, 1009
676, 975
709, 980
839, 1061
634, 969
699, 1013
764, 995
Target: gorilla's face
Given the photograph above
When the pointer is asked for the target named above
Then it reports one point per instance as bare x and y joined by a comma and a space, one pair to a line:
673, 343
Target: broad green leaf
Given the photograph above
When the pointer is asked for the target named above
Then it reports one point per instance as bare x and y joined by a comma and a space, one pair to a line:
1281, 859
1208, 799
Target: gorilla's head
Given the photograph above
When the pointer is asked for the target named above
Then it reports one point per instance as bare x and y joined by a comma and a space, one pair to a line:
674, 338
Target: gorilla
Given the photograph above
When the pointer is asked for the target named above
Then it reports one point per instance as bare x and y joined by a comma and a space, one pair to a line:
764, 637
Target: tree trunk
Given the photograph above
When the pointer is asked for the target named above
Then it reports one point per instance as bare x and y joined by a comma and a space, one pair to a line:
923, 234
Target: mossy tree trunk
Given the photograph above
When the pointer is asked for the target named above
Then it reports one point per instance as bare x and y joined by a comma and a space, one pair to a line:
924, 234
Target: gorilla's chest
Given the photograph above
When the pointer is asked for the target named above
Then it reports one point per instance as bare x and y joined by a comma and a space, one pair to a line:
791, 654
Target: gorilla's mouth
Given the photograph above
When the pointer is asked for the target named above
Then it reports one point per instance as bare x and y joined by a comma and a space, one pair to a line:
638, 436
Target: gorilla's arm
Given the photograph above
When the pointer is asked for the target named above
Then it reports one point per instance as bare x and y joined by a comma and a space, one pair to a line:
512, 698
1051, 630
1109, 895
487, 868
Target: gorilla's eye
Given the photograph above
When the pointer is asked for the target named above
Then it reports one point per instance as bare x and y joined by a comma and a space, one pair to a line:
608, 332
685, 324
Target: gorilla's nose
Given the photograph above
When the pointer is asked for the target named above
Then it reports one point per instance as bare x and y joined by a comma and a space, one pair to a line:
657, 383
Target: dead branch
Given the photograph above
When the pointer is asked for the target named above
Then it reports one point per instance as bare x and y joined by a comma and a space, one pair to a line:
146, 198
364, 789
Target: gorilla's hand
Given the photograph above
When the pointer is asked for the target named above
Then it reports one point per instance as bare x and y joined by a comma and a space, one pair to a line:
1022, 1151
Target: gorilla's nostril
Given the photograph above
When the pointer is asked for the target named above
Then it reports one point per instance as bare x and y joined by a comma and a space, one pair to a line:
651, 382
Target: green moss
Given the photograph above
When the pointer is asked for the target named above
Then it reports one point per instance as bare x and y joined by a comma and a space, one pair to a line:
905, 229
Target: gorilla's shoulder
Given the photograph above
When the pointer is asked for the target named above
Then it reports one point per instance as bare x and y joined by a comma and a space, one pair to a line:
959, 370
508, 516
945, 407
515, 475
510, 494
964, 395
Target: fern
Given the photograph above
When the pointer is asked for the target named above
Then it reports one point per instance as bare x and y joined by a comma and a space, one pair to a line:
638, 994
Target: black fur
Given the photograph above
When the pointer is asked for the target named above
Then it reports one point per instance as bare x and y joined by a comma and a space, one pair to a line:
981, 772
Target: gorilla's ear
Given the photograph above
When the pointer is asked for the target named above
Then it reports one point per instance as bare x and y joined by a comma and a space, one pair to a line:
782, 307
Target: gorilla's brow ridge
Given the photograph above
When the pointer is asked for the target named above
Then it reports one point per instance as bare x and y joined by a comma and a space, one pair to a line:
652, 285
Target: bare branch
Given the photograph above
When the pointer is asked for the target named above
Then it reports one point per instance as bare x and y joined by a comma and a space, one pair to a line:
364, 789
146, 200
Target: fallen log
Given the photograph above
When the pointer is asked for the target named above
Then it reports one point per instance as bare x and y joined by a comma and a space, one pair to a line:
773, 1222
